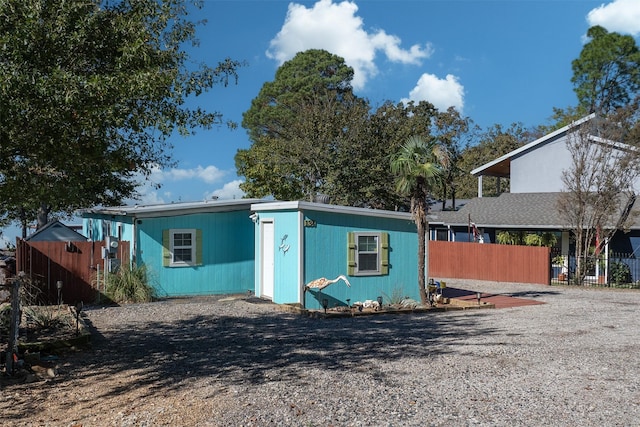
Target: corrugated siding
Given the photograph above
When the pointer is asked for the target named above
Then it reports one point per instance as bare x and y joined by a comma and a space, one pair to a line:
227, 254
326, 256
499, 263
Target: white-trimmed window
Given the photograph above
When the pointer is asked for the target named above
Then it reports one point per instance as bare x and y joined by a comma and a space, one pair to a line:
368, 253
182, 247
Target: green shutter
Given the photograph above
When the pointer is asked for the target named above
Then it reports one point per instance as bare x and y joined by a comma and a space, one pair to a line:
351, 254
198, 246
384, 253
166, 248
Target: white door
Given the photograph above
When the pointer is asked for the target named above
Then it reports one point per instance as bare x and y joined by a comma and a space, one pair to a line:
267, 250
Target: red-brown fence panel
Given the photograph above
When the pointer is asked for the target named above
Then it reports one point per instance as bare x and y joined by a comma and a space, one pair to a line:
492, 262
78, 265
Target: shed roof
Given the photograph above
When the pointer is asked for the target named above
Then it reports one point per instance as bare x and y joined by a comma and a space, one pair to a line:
324, 207
175, 209
55, 231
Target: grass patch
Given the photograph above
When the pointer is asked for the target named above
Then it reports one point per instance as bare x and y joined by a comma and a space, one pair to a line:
129, 285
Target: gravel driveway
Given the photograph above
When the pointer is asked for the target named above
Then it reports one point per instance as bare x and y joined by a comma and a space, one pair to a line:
574, 361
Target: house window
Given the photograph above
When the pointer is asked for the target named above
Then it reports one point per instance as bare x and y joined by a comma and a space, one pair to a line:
182, 247
368, 253
442, 234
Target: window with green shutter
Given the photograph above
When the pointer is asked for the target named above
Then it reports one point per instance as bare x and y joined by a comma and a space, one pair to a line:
367, 253
182, 247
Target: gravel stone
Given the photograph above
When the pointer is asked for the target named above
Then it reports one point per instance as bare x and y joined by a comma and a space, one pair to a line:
221, 361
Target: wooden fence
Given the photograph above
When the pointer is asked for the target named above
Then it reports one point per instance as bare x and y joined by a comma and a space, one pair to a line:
79, 265
493, 262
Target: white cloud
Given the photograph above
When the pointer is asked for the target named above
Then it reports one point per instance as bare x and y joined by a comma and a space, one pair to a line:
621, 16
189, 180
336, 28
442, 93
209, 174
231, 190
150, 198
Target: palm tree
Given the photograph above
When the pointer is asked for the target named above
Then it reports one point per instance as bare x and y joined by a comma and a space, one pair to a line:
418, 165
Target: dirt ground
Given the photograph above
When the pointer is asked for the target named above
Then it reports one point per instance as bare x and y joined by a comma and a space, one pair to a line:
123, 376
231, 361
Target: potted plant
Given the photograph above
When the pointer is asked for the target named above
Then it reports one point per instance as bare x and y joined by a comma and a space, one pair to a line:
559, 261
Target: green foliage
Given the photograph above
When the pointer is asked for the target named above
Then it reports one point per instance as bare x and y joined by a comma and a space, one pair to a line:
360, 174
547, 239
129, 285
606, 75
510, 237
562, 117
455, 133
493, 143
417, 166
91, 92
396, 297
296, 124
540, 239
533, 239
619, 273
45, 316
310, 134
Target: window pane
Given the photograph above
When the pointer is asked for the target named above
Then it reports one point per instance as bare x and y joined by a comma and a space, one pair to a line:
368, 262
182, 239
367, 243
182, 255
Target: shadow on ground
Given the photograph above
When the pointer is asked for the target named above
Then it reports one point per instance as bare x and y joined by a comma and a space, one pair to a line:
256, 348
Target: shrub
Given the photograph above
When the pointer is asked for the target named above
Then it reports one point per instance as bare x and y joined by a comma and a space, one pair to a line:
397, 295
620, 273
44, 316
129, 284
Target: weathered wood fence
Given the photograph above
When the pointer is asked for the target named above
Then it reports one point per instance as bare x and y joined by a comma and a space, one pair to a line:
79, 265
498, 263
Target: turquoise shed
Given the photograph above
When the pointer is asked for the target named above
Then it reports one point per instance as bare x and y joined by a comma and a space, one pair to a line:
298, 242
195, 248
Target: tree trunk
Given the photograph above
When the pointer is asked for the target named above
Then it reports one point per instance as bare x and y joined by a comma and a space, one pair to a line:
23, 222
43, 215
581, 264
453, 199
421, 261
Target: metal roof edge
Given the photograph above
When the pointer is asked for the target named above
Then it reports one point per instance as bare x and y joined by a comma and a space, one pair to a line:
324, 207
170, 209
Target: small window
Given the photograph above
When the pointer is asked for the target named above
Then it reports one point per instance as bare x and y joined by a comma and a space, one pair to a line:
367, 248
368, 253
181, 247
442, 234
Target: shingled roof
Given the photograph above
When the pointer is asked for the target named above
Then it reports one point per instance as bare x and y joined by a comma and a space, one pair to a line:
511, 210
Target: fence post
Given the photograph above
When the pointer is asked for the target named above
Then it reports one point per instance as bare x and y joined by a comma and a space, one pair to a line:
14, 328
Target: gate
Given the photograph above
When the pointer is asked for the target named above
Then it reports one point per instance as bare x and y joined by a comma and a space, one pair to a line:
78, 265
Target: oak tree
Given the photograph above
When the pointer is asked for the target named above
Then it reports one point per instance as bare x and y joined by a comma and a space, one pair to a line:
296, 125
91, 93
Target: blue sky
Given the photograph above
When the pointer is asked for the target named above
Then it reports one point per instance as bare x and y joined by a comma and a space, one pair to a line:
497, 61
